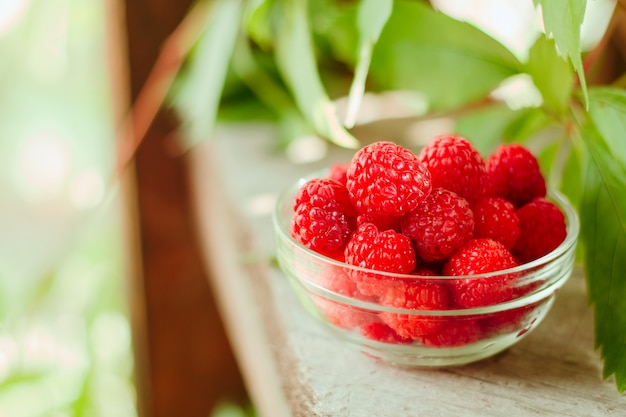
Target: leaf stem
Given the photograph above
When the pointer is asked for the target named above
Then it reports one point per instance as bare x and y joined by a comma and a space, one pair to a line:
357, 89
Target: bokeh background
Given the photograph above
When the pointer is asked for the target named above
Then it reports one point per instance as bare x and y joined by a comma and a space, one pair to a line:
72, 342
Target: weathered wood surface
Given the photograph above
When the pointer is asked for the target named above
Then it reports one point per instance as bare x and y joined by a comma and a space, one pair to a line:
293, 367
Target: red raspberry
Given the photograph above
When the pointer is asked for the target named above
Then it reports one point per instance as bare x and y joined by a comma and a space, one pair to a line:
385, 251
477, 257
455, 165
514, 174
495, 218
415, 295
343, 315
386, 179
508, 321
381, 332
439, 225
324, 216
455, 332
382, 222
338, 171
543, 228
335, 278
430, 270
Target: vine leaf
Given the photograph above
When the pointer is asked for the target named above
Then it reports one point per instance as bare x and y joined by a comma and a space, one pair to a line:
451, 63
562, 20
201, 83
607, 109
551, 74
295, 59
371, 18
603, 226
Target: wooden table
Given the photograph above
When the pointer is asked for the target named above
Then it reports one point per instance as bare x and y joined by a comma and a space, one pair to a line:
294, 367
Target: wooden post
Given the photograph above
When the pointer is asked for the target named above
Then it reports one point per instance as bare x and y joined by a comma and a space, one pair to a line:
185, 365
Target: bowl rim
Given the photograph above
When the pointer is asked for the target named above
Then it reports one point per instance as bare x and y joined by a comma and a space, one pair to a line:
571, 219
534, 297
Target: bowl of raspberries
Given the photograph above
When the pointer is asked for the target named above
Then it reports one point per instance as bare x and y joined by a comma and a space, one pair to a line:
433, 258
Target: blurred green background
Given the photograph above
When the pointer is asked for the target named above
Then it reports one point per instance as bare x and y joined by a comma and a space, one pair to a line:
65, 335
65, 338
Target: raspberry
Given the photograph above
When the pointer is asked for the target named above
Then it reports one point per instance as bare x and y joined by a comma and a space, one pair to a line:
514, 174
335, 278
455, 332
509, 320
386, 179
415, 296
382, 222
343, 315
495, 218
385, 251
383, 333
477, 257
543, 228
455, 165
426, 271
439, 225
324, 216
338, 171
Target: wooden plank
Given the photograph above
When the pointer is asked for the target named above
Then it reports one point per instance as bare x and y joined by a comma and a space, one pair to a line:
293, 367
190, 367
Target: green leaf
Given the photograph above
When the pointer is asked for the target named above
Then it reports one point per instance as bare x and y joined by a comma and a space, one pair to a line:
603, 230
450, 62
527, 126
551, 74
371, 18
266, 88
486, 127
295, 59
562, 20
256, 21
571, 177
200, 89
607, 108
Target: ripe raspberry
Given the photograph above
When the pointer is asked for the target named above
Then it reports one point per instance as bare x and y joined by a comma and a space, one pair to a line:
424, 270
495, 218
386, 179
335, 278
477, 257
439, 225
324, 216
543, 228
382, 222
514, 174
381, 332
455, 332
343, 315
385, 251
415, 295
509, 320
455, 165
338, 171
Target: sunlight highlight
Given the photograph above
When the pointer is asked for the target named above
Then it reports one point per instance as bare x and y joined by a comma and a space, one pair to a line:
43, 164
11, 12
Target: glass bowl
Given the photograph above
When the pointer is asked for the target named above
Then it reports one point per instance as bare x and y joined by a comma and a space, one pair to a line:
357, 305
